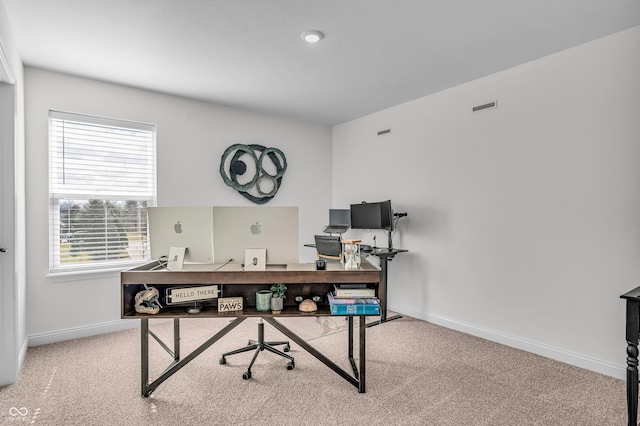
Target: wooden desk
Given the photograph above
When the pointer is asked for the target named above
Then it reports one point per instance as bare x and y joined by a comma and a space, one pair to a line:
301, 280
632, 334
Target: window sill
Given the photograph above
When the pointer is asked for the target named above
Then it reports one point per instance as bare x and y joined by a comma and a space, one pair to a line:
91, 274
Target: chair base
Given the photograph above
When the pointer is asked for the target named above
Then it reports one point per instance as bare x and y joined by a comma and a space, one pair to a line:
259, 346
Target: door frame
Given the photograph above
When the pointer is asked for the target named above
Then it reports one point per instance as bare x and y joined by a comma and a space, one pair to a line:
10, 352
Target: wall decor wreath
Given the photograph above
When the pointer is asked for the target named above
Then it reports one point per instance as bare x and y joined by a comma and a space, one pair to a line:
254, 171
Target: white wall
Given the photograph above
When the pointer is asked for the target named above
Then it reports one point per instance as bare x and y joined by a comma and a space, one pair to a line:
524, 221
192, 136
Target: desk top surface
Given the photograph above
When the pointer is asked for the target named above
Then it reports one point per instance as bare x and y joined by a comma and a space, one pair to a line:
237, 267
383, 251
633, 294
233, 274
376, 251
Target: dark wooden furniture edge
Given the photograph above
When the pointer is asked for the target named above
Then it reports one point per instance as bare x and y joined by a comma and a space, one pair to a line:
632, 333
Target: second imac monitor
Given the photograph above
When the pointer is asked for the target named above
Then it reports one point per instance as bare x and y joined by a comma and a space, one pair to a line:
236, 229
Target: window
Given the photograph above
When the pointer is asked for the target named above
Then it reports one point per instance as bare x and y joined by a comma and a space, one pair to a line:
102, 178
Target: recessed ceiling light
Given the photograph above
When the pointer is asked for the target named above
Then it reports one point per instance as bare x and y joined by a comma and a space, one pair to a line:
312, 36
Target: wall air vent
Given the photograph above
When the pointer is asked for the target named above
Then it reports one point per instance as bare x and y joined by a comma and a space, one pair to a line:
382, 132
490, 105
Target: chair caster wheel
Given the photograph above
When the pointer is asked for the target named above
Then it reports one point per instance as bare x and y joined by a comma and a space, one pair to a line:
222, 361
287, 348
291, 365
247, 375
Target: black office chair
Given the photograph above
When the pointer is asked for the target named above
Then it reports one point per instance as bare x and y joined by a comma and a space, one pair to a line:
328, 247
260, 345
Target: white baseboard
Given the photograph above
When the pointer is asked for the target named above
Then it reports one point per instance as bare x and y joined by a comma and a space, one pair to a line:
79, 332
579, 360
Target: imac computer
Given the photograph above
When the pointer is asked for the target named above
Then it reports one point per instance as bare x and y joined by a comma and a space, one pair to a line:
190, 227
236, 229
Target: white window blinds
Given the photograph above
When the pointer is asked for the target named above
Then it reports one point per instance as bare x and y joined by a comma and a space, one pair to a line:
102, 178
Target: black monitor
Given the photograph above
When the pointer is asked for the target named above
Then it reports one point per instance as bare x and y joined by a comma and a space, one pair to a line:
377, 215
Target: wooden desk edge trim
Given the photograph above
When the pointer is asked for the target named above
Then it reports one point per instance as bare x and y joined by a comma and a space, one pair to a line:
367, 274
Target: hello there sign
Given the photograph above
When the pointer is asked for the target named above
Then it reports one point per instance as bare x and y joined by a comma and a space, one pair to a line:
191, 294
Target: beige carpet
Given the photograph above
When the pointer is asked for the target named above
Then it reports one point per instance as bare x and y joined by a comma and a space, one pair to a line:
417, 374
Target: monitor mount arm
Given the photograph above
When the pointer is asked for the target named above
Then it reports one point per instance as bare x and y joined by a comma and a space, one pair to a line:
397, 216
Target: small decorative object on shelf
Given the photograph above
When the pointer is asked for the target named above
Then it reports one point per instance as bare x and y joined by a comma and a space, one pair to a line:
229, 304
351, 253
263, 300
277, 297
180, 295
146, 301
308, 305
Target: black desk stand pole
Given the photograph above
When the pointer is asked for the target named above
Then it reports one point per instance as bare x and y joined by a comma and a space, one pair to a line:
384, 260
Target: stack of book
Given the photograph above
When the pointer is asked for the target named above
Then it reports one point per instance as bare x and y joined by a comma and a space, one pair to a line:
353, 300
353, 291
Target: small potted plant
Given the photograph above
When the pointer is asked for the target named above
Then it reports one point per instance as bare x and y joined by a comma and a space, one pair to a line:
277, 297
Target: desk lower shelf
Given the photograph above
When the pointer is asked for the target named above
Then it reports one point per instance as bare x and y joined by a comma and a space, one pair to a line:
212, 312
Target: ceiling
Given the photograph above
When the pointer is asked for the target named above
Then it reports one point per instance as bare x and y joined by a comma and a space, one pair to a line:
249, 53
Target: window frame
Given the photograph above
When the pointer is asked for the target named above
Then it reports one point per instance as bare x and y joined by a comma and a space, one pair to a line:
146, 191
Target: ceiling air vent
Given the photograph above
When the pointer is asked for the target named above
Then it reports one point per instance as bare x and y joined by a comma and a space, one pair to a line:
490, 105
384, 132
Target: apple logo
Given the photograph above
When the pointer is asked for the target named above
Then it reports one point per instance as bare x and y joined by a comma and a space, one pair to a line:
178, 228
255, 229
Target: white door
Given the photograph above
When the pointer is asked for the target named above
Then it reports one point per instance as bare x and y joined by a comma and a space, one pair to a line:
9, 345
